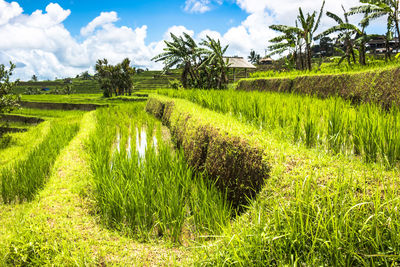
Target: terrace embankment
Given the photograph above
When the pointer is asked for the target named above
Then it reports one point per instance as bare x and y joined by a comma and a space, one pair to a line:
381, 86
61, 106
235, 162
22, 119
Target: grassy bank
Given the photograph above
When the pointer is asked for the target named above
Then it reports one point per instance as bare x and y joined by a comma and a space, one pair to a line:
380, 86
332, 124
314, 209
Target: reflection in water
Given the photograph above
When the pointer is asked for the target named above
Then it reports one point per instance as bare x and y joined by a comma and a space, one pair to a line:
141, 145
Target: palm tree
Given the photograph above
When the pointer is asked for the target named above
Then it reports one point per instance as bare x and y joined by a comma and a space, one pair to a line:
346, 32
379, 8
309, 25
289, 41
215, 65
254, 58
294, 36
181, 51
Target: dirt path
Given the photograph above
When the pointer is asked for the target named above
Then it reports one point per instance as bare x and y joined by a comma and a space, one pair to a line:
57, 228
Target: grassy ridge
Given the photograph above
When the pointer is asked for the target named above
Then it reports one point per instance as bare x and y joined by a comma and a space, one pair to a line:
379, 86
149, 195
332, 124
315, 208
21, 180
237, 165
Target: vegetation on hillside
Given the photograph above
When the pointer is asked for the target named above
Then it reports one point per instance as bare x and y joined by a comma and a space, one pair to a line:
115, 79
203, 64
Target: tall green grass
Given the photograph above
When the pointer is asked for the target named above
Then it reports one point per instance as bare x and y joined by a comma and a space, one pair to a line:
333, 124
21, 180
327, 69
341, 223
150, 195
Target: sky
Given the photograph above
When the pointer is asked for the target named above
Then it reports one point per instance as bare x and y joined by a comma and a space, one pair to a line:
65, 38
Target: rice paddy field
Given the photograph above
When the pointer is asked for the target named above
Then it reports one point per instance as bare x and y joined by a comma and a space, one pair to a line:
196, 177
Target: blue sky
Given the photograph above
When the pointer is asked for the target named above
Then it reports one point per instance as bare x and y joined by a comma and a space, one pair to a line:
63, 38
157, 15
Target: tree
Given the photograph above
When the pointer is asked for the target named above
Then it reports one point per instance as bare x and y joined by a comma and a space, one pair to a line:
115, 79
309, 25
254, 58
203, 66
182, 51
215, 65
34, 78
295, 37
379, 8
8, 100
290, 41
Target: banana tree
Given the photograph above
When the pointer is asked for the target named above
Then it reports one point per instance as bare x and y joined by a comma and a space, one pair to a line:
380, 8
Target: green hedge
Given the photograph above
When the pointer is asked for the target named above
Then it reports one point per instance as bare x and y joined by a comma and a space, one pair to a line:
235, 163
381, 87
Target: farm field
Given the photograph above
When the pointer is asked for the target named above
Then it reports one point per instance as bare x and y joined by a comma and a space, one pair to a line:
322, 195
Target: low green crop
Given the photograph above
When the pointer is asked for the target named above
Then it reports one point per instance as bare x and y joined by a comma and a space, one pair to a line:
149, 192
21, 180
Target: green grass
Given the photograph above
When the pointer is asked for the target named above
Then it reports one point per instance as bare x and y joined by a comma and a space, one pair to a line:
154, 195
19, 143
78, 98
332, 124
327, 69
315, 208
21, 180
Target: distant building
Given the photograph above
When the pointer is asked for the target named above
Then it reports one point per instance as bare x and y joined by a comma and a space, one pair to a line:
266, 61
238, 63
378, 45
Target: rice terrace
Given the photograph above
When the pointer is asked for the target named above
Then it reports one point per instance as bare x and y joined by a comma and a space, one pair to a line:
219, 133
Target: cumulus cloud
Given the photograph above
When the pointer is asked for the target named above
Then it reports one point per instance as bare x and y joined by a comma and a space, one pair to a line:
9, 11
41, 45
105, 18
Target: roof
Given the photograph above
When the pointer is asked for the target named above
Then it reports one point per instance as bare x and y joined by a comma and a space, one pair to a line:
266, 59
239, 63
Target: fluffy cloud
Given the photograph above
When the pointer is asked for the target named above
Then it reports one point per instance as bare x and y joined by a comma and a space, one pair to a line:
105, 18
9, 11
40, 44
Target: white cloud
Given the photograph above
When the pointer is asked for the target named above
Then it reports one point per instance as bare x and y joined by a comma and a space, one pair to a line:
9, 11
40, 44
105, 18
200, 6
197, 6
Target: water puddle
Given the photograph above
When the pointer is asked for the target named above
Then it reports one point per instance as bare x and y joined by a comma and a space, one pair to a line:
141, 144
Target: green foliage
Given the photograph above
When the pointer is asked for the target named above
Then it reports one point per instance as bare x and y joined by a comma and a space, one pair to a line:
175, 84
8, 101
115, 79
202, 67
150, 192
21, 180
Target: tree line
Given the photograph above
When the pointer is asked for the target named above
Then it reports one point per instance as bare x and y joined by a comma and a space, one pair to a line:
297, 40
